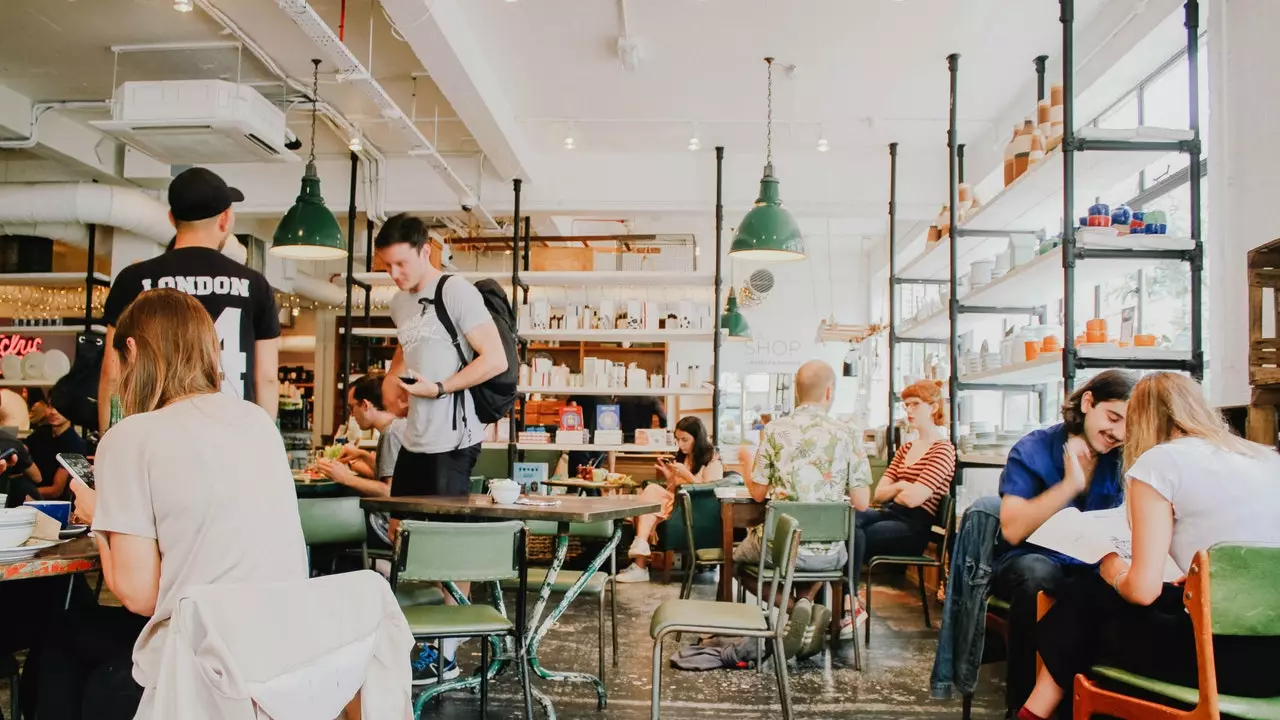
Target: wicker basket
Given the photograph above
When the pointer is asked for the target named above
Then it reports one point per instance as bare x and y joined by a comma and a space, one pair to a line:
543, 547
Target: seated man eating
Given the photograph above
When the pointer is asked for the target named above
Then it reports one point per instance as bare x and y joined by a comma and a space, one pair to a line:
1035, 484
809, 456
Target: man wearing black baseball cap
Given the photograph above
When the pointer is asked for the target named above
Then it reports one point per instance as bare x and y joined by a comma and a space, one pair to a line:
240, 300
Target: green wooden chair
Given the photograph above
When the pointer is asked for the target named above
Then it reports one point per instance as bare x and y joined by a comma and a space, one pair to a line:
429, 552
728, 619
334, 521
594, 588
820, 522
946, 521
696, 506
1230, 590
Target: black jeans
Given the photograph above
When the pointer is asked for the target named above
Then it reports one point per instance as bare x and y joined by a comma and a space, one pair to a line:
1018, 580
83, 668
885, 532
1091, 624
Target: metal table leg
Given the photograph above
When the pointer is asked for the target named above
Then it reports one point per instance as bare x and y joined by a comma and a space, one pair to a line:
540, 629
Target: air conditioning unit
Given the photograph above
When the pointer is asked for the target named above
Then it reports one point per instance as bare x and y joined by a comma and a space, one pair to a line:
185, 122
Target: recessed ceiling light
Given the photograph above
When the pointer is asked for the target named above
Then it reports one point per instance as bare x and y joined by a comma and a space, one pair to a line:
695, 143
183, 5
569, 142
823, 145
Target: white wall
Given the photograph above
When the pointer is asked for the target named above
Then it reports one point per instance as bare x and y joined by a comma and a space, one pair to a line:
1245, 105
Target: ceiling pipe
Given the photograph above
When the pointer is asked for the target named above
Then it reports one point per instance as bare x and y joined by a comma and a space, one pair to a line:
351, 70
38, 110
127, 208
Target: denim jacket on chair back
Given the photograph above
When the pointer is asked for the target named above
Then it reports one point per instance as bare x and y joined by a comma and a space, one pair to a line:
964, 618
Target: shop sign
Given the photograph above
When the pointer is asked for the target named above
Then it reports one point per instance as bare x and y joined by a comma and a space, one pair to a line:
19, 345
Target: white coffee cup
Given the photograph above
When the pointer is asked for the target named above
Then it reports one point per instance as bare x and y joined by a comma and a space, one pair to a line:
504, 492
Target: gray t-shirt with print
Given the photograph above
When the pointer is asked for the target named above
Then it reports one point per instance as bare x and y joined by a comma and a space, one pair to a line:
389, 444
429, 352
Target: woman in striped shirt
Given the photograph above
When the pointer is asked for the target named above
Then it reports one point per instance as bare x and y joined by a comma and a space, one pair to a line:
912, 488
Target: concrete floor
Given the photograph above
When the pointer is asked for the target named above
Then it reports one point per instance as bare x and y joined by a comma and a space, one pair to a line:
894, 682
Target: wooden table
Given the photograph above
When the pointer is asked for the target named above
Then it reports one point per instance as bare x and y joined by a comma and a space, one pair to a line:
69, 558
601, 487
567, 510
737, 510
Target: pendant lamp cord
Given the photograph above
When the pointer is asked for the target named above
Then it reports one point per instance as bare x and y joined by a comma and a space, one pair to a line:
315, 98
769, 123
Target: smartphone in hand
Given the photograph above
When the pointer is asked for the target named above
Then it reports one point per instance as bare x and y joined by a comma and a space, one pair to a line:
408, 379
78, 465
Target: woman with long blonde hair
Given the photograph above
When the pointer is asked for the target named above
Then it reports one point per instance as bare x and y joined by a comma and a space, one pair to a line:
1191, 484
193, 488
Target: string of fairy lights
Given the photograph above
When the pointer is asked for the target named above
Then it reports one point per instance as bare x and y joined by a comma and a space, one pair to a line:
47, 303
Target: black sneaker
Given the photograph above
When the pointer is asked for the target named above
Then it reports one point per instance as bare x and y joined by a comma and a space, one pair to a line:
424, 667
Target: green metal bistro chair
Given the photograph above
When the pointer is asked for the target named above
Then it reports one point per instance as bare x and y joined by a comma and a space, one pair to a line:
1230, 590
736, 619
707, 553
595, 587
463, 552
820, 522
946, 520
334, 521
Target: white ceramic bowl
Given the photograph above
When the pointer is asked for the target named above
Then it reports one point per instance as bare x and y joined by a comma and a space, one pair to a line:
505, 494
16, 526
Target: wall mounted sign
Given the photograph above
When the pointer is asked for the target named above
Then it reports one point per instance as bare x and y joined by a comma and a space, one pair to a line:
19, 345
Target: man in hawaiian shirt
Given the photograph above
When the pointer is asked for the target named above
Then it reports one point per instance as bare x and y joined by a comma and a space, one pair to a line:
808, 456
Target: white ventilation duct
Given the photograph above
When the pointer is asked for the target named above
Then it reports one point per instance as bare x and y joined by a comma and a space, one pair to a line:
69, 233
30, 206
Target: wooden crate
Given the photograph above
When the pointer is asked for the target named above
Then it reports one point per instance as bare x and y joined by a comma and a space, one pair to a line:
1264, 281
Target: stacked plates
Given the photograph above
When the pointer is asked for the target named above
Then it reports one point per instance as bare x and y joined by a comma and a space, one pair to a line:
16, 525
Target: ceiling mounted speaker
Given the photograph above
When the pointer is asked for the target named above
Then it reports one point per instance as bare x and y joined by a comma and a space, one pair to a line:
756, 288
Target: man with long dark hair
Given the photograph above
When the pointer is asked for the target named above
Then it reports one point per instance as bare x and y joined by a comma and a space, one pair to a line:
1076, 463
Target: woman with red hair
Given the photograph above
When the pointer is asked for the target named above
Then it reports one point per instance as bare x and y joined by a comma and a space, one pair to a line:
910, 492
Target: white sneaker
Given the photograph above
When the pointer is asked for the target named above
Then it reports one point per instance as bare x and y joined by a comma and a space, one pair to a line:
639, 548
634, 574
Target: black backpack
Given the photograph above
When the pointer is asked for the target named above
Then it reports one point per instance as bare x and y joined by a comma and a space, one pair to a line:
76, 394
495, 397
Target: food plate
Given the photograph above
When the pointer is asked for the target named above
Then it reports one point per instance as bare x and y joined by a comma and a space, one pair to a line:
71, 531
25, 552
11, 366
56, 364
33, 365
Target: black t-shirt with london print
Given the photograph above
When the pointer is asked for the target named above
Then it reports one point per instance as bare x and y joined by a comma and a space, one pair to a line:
239, 299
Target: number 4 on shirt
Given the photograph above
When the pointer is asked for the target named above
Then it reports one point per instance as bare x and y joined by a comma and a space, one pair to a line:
234, 361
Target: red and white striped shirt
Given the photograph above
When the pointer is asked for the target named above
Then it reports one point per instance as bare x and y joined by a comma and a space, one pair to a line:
935, 468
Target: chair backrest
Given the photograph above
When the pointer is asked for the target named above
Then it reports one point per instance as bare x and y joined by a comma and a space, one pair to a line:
946, 519
457, 552
332, 521
783, 553
1244, 581
820, 521
693, 524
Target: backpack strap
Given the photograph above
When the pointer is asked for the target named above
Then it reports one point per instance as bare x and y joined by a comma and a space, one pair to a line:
459, 398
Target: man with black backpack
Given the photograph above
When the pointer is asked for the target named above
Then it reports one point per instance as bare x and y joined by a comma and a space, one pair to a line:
456, 367
450, 346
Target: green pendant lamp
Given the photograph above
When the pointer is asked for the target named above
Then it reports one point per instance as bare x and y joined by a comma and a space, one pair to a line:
733, 323
768, 232
309, 231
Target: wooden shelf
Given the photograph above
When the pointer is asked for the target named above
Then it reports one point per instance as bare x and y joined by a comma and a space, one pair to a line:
26, 383
49, 279
983, 459
50, 329
620, 392
645, 336
571, 278
654, 449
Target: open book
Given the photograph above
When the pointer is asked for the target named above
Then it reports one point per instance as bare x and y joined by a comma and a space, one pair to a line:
1091, 536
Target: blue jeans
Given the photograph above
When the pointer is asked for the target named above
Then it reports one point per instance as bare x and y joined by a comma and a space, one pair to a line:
961, 639
1018, 579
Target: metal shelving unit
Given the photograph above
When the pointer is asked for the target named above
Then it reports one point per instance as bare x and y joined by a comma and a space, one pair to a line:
1096, 157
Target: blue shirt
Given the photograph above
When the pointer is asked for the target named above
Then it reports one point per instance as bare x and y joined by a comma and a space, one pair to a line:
1036, 464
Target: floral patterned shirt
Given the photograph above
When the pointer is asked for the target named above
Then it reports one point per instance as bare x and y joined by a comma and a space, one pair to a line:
809, 456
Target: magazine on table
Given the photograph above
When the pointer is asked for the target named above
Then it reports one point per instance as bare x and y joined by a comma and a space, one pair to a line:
1091, 536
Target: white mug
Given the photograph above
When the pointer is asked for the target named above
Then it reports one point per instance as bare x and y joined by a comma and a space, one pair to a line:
504, 492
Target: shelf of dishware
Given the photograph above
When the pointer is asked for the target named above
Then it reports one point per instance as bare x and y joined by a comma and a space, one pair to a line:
49, 329
992, 459
571, 278
1047, 368
1040, 280
49, 279
673, 335
370, 332
619, 392
627, 448
1034, 201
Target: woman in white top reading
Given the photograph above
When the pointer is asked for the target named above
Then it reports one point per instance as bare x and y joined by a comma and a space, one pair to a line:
193, 488
1191, 484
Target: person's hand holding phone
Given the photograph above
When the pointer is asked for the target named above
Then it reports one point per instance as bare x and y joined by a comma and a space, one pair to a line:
86, 501
417, 387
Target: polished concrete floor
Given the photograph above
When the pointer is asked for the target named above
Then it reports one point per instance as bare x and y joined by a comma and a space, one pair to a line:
894, 682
